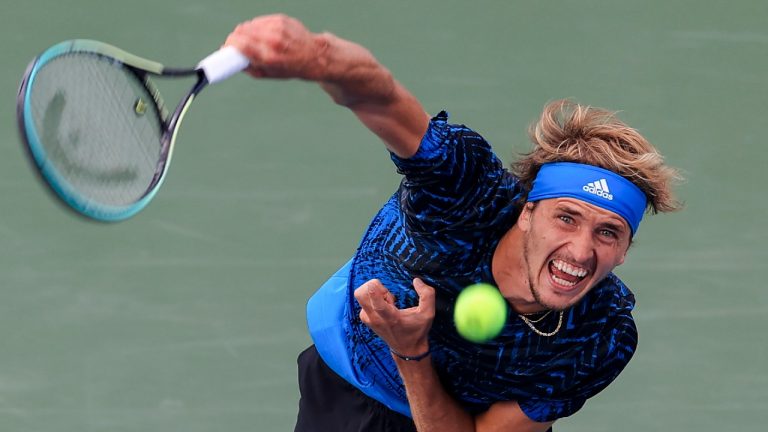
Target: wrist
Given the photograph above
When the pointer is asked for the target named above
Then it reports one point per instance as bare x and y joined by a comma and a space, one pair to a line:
411, 357
317, 69
412, 352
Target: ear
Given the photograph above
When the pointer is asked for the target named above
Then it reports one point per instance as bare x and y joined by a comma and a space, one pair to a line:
524, 221
623, 256
621, 259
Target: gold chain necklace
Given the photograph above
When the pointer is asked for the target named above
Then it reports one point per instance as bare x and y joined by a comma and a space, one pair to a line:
539, 332
537, 319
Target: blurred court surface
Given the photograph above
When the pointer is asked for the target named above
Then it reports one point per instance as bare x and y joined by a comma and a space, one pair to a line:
189, 317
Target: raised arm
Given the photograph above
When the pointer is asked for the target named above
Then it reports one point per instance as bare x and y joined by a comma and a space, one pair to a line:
281, 47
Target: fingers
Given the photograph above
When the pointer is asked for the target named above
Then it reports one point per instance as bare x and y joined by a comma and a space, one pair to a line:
277, 45
380, 298
248, 44
376, 301
404, 330
426, 296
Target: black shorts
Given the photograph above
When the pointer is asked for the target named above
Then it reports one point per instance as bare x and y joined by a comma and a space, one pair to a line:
330, 404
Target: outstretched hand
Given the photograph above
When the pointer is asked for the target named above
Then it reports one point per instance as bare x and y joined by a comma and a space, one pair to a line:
278, 46
404, 330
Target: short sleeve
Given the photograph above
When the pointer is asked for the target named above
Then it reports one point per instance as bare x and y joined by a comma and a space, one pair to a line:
453, 179
431, 149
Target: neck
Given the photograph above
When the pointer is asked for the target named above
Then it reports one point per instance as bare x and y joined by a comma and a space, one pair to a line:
510, 271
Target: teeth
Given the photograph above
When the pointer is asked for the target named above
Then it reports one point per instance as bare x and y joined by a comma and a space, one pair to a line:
570, 269
563, 281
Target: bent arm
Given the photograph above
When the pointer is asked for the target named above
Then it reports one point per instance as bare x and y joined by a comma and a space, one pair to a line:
281, 47
432, 408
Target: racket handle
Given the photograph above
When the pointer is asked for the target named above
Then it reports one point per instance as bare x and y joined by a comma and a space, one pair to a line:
223, 64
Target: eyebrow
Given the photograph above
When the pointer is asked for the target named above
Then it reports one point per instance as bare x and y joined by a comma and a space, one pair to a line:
569, 210
618, 227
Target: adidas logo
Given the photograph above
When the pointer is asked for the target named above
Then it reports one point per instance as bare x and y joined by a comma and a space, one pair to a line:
599, 188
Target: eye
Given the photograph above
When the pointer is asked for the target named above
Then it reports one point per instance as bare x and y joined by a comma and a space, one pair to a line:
608, 233
566, 218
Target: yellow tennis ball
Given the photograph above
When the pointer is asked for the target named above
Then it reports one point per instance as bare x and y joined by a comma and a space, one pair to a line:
480, 312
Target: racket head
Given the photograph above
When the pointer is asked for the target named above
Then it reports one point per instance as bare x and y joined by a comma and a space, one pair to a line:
96, 128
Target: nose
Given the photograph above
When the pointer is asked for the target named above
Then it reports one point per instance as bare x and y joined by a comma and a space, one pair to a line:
582, 247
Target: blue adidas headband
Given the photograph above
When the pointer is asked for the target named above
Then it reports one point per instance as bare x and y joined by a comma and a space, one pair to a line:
593, 185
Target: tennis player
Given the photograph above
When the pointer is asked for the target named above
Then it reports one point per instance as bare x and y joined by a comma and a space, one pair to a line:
548, 233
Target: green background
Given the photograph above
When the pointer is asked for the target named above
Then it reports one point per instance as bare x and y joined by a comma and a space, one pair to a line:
189, 316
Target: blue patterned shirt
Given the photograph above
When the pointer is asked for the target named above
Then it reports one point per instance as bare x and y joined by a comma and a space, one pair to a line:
454, 204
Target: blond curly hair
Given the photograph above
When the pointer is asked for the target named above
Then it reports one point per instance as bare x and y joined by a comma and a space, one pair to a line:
569, 132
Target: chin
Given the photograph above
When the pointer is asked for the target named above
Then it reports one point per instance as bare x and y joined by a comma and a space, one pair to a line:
558, 298
557, 303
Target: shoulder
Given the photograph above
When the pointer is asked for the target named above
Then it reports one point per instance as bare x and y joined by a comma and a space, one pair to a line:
442, 142
600, 340
609, 298
602, 327
607, 314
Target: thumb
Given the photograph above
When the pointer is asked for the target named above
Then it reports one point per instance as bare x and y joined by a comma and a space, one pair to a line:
426, 296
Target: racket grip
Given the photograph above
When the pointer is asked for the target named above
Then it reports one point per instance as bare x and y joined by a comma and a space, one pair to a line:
223, 64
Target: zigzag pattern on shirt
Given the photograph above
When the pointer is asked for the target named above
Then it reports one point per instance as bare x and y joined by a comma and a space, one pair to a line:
442, 225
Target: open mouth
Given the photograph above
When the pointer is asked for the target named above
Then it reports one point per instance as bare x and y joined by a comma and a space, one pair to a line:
566, 275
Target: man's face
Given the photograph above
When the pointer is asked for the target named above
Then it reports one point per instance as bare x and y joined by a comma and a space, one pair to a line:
568, 247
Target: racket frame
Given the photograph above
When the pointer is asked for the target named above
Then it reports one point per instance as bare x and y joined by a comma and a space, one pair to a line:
141, 69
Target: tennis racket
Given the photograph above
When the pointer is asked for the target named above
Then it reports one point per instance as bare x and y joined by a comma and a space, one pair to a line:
96, 128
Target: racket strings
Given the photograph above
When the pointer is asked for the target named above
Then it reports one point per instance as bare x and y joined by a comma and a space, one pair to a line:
99, 128
145, 156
